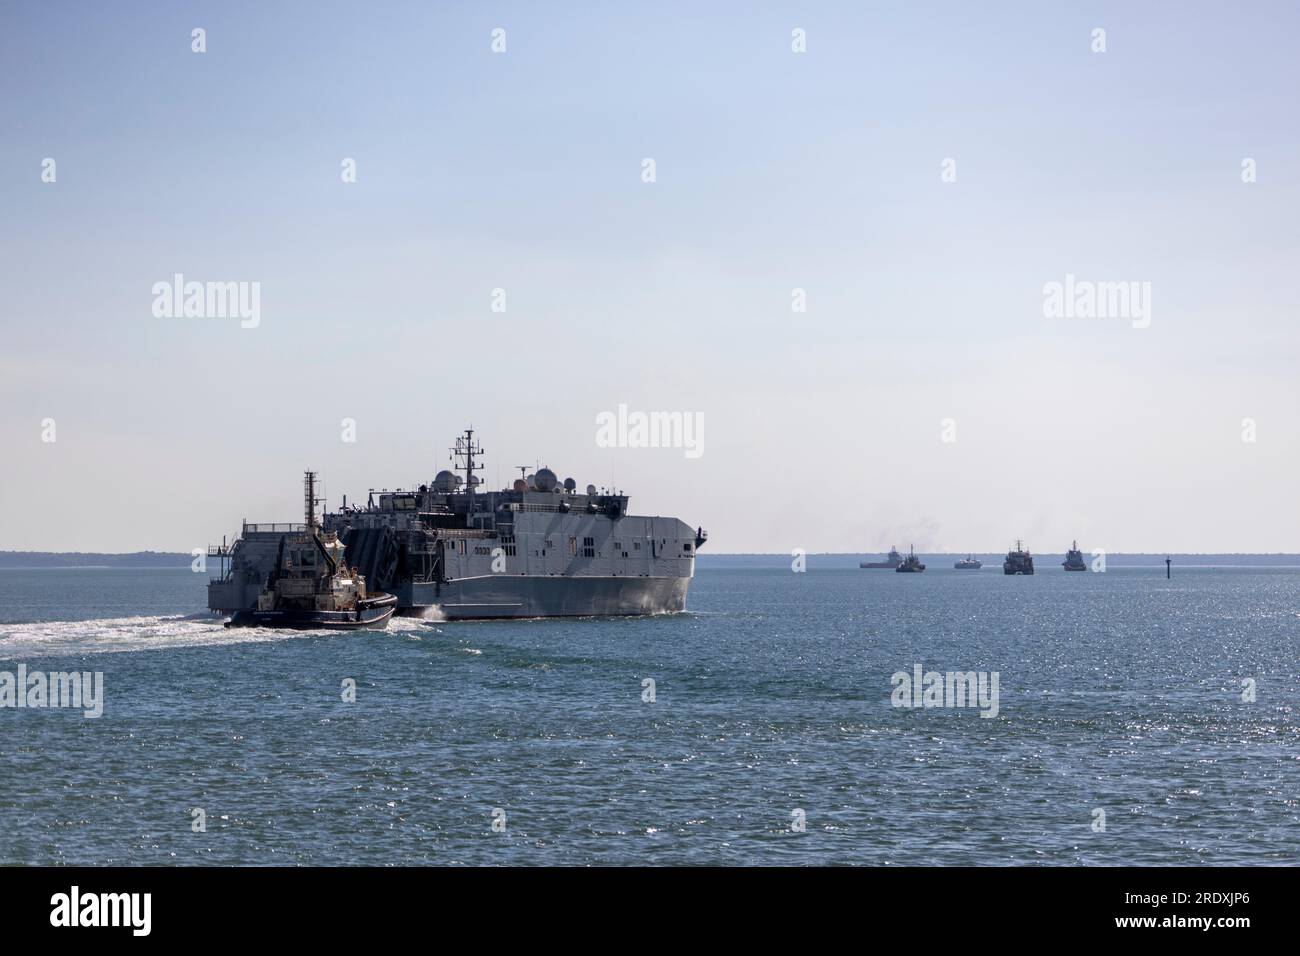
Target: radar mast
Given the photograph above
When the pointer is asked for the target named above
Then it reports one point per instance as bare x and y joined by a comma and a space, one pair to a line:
463, 454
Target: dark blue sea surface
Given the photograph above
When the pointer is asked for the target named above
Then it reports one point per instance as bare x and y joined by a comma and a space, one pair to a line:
1119, 692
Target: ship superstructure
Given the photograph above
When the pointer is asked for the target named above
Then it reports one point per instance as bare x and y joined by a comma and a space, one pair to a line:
539, 548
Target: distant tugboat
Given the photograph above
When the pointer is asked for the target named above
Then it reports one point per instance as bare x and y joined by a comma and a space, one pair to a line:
310, 587
890, 563
969, 563
1018, 561
1074, 559
911, 564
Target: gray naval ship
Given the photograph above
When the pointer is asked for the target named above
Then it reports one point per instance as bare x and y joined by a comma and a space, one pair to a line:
449, 549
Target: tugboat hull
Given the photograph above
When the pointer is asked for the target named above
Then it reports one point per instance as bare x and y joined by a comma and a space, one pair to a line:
373, 611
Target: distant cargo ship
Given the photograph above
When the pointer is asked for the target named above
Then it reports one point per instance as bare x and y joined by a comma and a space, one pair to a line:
911, 564
1074, 559
969, 563
890, 563
1018, 561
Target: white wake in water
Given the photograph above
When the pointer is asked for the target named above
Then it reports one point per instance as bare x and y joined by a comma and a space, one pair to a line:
71, 638
432, 612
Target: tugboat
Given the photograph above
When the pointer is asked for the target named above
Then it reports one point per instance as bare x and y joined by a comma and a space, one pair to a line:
1018, 561
891, 563
911, 564
969, 563
1074, 559
310, 587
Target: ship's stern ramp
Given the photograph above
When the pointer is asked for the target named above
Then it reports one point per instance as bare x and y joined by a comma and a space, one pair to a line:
375, 553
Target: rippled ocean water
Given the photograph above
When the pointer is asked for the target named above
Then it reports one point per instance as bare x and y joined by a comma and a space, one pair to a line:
1119, 691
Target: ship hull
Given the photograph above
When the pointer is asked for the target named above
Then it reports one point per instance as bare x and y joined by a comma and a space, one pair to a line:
502, 596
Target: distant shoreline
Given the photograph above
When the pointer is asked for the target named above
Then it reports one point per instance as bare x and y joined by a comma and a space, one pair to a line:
94, 567
147, 560
140, 560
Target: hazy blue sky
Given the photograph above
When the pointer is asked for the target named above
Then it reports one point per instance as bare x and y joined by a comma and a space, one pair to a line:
775, 170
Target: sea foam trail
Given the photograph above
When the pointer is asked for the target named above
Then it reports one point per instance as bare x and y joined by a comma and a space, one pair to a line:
114, 635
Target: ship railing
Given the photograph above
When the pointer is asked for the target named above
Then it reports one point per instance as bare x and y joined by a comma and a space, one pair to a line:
278, 528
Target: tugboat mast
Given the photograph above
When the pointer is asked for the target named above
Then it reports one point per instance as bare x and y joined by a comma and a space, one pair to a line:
310, 501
